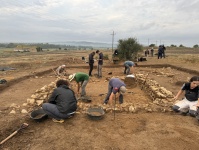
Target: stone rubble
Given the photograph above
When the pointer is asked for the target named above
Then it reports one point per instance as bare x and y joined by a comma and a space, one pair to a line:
162, 99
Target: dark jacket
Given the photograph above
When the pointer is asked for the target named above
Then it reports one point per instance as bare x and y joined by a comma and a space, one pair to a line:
91, 60
64, 98
101, 57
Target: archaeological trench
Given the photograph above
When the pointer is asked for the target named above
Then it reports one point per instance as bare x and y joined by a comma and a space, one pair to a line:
160, 98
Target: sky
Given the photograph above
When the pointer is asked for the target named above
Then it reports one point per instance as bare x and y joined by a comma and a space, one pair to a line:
57, 21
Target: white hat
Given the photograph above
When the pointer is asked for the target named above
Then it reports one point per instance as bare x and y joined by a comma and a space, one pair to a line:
63, 65
122, 89
71, 77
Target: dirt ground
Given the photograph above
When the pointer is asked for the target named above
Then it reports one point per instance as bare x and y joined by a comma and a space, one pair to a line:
149, 129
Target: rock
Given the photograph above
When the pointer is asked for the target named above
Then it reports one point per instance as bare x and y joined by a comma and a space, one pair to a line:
39, 102
25, 104
23, 111
13, 112
33, 96
13, 105
30, 101
132, 109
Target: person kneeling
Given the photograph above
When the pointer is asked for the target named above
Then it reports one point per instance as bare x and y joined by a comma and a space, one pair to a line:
190, 103
62, 104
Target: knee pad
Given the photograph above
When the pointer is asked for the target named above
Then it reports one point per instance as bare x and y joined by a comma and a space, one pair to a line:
175, 108
193, 113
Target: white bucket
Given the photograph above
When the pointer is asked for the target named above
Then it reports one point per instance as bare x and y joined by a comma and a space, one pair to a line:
131, 76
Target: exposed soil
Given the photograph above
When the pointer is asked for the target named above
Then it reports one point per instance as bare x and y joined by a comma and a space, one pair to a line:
141, 129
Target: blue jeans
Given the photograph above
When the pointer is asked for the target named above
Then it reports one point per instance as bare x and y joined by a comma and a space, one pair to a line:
52, 111
127, 69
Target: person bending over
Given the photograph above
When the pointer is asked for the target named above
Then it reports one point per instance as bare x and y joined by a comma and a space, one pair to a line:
81, 80
115, 86
128, 65
60, 71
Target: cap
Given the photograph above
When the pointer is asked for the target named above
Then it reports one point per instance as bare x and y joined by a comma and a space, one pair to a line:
63, 65
71, 77
122, 89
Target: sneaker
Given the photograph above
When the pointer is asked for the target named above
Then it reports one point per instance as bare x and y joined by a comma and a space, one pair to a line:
58, 121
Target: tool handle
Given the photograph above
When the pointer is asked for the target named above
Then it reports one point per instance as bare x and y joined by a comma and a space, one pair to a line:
9, 137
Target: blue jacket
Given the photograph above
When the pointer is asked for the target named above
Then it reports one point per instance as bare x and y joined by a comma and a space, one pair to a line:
129, 63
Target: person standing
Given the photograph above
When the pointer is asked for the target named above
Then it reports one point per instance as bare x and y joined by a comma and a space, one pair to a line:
91, 62
152, 51
62, 103
191, 99
128, 65
163, 51
100, 63
115, 86
81, 80
160, 51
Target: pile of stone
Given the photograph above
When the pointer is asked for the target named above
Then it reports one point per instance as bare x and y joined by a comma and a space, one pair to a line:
167, 72
124, 108
160, 95
41, 95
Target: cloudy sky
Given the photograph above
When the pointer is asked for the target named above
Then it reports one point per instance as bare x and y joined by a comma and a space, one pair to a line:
150, 21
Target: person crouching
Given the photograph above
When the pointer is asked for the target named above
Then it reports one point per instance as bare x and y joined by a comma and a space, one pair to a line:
62, 103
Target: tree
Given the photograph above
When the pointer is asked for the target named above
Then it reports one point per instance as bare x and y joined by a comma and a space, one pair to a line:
128, 48
181, 45
173, 45
195, 46
152, 45
11, 45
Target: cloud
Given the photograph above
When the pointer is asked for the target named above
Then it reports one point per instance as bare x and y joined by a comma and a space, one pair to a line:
94, 20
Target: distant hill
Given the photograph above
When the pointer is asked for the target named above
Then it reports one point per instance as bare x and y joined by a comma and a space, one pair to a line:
85, 43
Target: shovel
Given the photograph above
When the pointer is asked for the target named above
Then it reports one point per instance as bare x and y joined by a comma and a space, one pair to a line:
23, 126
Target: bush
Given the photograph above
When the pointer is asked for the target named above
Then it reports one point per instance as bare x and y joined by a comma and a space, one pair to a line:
129, 48
106, 57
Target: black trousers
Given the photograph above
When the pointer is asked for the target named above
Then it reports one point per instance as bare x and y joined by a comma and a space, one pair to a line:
91, 69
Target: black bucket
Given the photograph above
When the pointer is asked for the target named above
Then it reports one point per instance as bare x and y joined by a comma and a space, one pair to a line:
38, 115
95, 113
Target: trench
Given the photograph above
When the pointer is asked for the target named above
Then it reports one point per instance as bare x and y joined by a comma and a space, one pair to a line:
17, 80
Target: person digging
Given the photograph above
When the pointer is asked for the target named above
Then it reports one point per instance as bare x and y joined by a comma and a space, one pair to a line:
81, 80
115, 86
